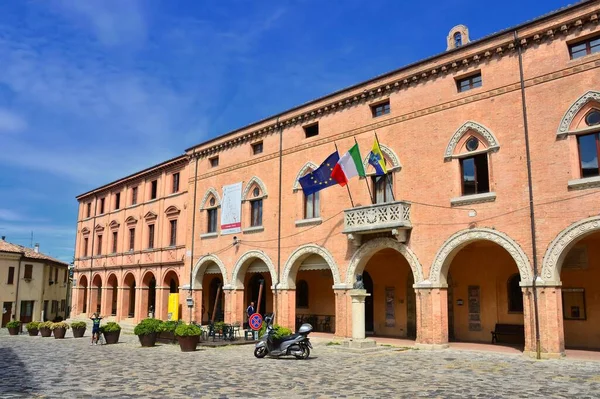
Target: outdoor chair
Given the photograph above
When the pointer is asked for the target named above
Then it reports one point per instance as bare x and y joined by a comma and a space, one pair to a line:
326, 324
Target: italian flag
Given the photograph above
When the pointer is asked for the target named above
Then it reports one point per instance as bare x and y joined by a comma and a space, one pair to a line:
348, 166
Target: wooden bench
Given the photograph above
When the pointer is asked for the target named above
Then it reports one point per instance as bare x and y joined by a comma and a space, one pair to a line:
508, 329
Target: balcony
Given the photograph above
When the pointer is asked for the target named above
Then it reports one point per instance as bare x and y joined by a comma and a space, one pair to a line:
392, 217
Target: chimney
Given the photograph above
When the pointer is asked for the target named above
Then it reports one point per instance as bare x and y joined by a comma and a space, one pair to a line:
36, 248
3, 238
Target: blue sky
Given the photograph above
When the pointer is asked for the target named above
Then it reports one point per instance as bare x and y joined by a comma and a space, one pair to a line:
91, 91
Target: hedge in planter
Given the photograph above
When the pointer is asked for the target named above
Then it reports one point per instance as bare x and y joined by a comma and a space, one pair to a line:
147, 331
44, 328
78, 328
13, 327
188, 336
33, 328
111, 332
167, 333
59, 329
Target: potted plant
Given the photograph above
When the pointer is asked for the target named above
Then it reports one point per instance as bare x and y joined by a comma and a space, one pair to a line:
147, 330
32, 328
13, 327
78, 328
167, 332
188, 336
44, 328
111, 332
59, 329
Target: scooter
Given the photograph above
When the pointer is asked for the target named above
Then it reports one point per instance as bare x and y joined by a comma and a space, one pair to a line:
296, 345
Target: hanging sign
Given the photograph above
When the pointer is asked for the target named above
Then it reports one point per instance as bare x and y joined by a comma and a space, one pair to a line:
231, 209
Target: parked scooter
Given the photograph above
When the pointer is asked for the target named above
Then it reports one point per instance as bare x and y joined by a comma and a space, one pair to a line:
296, 345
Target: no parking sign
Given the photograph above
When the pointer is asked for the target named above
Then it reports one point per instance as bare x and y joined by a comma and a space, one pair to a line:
255, 321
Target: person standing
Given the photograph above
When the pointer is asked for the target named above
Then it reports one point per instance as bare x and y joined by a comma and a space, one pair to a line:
95, 328
249, 312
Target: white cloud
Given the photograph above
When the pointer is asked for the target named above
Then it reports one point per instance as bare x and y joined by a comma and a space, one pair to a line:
11, 122
9, 215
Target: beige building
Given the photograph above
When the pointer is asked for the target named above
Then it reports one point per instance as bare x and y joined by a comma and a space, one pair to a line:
33, 286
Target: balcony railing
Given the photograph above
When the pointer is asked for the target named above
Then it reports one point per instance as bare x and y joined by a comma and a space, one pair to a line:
393, 217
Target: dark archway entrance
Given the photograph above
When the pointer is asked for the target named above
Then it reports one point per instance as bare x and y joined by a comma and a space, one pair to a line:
369, 311
253, 289
215, 285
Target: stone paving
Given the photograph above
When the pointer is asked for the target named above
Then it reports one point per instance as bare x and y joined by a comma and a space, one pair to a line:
46, 367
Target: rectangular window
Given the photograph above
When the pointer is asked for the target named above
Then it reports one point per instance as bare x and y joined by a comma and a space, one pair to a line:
85, 246
117, 201
311, 130
256, 211
99, 245
475, 177
114, 242
63, 303
102, 200
54, 306
131, 239
312, 206
11, 275
469, 83
26, 309
382, 187
214, 162
153, 189
257, 148
28, 272
380, 109
49, 275
134, 192
176, 182
89, 209
65, 276
212, 220
150, 236
173, 237
573, 300
586, 47
589, 148
56, 275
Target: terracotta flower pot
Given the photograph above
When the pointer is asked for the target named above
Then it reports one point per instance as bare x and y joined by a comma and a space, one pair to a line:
188, 344
78, 332
33, 332
147, 340
59, 333
166, 337
46, 332
112, 337
13, 330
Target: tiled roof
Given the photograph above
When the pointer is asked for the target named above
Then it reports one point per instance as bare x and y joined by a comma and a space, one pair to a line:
27, 252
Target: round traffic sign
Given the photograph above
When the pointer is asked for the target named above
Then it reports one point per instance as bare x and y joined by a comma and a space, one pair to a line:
255, 321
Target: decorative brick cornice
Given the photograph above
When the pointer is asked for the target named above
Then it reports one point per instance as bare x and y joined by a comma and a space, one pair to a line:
418, 75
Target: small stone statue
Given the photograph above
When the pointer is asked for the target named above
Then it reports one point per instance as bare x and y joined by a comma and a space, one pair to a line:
359, 284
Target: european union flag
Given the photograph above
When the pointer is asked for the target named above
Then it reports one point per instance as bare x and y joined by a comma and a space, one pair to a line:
320, 178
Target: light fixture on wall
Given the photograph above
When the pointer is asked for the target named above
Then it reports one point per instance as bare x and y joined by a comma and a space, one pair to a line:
472, 213
235, 241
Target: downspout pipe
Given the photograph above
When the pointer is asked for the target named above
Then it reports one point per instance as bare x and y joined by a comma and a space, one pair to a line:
193, 233
279, 213
531, 206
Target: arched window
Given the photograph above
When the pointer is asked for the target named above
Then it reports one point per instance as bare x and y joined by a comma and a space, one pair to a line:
457, 39
514, 294
302, 294
588, 146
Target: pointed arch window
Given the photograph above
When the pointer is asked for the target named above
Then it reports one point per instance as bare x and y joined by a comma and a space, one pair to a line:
588, 146
311, 204
514, 294
211, 215
255, 194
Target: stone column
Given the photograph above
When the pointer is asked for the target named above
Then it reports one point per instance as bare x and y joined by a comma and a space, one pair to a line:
432, 317
285, 314
342, 315
122, 303
358, 320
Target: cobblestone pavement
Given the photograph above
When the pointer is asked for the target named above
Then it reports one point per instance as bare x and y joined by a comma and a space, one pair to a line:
46, 367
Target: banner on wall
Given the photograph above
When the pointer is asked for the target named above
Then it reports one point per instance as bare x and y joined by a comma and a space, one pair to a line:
390, 315
231, 209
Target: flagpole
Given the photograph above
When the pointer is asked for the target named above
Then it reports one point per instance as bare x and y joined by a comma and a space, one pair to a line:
386, 175
348, 188
366, 182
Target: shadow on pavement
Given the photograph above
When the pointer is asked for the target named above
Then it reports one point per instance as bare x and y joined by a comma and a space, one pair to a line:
15, 377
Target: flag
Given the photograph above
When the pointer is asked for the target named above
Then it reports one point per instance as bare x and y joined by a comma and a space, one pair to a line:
320, 178
349, 165
376, 159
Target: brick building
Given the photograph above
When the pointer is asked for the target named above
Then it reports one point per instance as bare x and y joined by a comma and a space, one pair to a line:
488, 214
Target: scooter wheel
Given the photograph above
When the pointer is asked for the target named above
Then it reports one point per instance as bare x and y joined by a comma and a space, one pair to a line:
305, 353
260, 352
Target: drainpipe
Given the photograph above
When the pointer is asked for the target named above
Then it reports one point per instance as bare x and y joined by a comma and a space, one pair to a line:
193, 236
531, 207
279, 216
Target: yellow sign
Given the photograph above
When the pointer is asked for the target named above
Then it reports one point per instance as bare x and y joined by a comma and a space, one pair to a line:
173, 307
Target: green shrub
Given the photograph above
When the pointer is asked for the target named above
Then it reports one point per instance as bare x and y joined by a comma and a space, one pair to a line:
45, 324
148, 326
169, 326
33, 325
219, 325
78, 324
60, 324
188, 330
111, 326
13, 324
278, 331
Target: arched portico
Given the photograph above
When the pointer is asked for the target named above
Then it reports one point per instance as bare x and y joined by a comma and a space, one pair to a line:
82, 303
148, 295
169, 288
290, 270
241, 267
96, 297
128, 295
110, 307
206, 272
